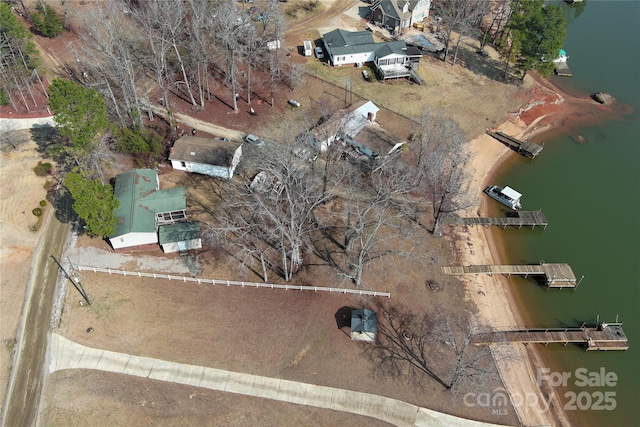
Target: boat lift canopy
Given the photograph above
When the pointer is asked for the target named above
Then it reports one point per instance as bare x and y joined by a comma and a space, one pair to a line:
511, 193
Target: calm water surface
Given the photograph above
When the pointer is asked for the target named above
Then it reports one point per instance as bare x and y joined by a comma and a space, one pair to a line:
590, 194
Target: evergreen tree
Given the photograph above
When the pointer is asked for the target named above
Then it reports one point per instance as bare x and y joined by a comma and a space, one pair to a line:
47, 21
79, 112
94, 202
536, 35
15, 37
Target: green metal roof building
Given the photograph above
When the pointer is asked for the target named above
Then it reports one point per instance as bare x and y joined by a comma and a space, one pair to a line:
144, 207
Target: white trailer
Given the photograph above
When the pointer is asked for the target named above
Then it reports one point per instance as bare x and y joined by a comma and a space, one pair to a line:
308, 48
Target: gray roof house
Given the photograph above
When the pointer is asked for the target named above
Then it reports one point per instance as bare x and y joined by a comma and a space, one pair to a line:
207, 156
391, 59
364, 325
144, 208
398, 14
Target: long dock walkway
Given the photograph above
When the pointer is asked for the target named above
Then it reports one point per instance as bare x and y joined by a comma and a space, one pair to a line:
603, 337
519, 219
556, 275
526, 148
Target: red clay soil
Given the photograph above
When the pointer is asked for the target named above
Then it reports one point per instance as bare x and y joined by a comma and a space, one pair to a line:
553, 107
33, 109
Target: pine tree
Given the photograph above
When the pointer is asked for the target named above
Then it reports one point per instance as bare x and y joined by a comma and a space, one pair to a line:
94, 202
47, 21
79, 112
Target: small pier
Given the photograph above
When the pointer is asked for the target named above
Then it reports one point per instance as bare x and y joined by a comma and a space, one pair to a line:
606, 336
557, 276
562, 69
526, 148
519, 219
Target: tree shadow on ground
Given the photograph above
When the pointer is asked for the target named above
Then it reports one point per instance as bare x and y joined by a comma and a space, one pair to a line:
62, 201
475, 61
430, 345
47, 139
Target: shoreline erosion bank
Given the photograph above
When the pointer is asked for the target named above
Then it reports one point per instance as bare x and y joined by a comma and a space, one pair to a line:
550, 111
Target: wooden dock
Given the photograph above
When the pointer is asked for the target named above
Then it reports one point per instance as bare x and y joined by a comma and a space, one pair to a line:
603, 337
519, 219
526, 148
556, 276
562, 69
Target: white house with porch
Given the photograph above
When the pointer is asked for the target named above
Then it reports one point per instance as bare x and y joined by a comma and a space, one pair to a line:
391, 59
144, 208
398, 14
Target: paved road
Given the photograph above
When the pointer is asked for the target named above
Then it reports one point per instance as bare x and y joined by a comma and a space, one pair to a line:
66, 354
25, 384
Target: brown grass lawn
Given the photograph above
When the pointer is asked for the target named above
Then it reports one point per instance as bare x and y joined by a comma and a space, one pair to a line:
285, 334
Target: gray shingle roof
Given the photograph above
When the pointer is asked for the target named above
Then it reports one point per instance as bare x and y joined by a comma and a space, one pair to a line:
179, 232
203, 150
342, 38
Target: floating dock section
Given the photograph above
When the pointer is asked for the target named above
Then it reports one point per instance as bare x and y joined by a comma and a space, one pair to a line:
556, 276
562, 69
526, 148
603, 337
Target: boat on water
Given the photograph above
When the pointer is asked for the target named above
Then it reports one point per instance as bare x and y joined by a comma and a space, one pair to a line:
507, 196
562, 57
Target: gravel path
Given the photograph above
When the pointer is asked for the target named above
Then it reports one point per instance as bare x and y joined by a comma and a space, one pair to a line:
94, 257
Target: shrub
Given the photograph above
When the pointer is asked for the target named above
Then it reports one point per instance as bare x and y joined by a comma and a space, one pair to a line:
37, 211
42, 169
131, 142
43, 203
4, 98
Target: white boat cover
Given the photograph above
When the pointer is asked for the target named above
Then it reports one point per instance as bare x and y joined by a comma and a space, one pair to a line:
511, 193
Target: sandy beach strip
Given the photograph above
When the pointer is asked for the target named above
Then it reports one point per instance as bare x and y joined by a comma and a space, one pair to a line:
492, 295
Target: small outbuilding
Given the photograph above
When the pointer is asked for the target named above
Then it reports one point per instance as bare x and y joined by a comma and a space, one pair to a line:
207, 156
180, 237
364, 325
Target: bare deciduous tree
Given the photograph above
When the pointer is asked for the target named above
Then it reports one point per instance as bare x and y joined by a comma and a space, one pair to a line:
462, 17
272, 218
433, 346
441, 159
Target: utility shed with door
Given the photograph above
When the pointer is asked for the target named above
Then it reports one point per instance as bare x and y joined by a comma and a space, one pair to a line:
207, 156
180, 237
364, 325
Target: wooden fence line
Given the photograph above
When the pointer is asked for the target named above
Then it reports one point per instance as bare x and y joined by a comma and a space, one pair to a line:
232, 282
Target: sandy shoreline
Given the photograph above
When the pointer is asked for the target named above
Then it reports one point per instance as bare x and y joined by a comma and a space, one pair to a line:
477, 245
492, 296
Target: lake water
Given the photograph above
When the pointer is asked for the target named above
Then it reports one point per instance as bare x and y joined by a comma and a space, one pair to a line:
590, 193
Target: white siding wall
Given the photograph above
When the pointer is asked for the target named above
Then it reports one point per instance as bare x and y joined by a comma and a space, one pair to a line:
421, 10
133, 239
190, 244
211, 170
358, 58
234, 162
